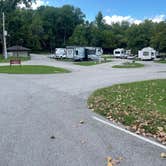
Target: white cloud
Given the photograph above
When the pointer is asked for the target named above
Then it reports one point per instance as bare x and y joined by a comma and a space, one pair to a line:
119, 19
158, 18
36, 4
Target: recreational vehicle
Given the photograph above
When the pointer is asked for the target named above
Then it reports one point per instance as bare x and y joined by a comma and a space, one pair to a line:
60, 53
147, 53
120, 53
83, 53
74, 52
93, 53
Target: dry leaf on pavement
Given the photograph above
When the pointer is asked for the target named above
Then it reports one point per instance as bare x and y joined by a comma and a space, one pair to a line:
163, 155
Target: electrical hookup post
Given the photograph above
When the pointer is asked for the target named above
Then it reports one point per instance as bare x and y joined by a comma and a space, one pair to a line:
4, 37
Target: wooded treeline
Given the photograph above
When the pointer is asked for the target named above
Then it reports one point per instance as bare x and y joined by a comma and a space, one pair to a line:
49, 27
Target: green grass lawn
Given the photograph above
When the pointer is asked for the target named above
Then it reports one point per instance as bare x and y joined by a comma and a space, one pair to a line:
160, 61
31, 69
107, 56
140, 105
2, 60
64, 59
91, 63
86, 63
129, 65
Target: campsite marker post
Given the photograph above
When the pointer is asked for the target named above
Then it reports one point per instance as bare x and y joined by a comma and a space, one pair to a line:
4, 36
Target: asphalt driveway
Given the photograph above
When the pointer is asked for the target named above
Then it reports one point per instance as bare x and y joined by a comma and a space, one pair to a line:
35, 107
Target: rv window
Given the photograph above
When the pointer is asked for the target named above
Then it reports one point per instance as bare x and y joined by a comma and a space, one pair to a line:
76, 52
117, 52
152, 53
91, 52
146, 53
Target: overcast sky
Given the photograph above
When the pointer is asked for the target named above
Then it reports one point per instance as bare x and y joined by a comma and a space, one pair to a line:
116, 10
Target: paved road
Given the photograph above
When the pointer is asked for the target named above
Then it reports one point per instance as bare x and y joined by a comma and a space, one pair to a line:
35, 107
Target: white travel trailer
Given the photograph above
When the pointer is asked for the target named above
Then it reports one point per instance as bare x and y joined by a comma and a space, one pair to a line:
93, 53
83, 53
120, 53
147, 53
74, 52
60, 53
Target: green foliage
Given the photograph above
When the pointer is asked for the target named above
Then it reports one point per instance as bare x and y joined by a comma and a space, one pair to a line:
8, 6
160, 61
49, 27
44, 28
158, 39
140, 105
99, 20
92, 63
2, 60
80, 36
31, 69
86, 63
129, 65
139, 36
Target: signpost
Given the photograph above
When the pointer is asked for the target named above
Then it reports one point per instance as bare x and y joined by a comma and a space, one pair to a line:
4, 37
15, 62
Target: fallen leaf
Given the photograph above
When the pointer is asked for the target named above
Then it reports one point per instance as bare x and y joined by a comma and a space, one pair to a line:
160, 128
109, 161
163, 155
83, 141
81, 122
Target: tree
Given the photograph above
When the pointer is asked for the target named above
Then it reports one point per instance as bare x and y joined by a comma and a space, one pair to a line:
99, 20
109, 40
9, 5
158, 39
49, 27
45, 28
79, 36
139, 36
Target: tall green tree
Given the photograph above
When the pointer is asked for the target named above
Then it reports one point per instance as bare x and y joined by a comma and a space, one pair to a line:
158, 39
79, 36
139, 36
99, 20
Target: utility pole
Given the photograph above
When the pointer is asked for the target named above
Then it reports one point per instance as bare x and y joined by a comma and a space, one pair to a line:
4, 37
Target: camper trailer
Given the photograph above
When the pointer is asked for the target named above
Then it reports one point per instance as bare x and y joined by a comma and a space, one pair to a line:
74, 52
120, 53
147, 53
93, 53
83, 53
60, 53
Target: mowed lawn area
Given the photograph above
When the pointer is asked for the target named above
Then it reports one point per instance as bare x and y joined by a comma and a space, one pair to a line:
129, 65
160, 61
86, 63
141, 106
32, 69
91, 63
2, 60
